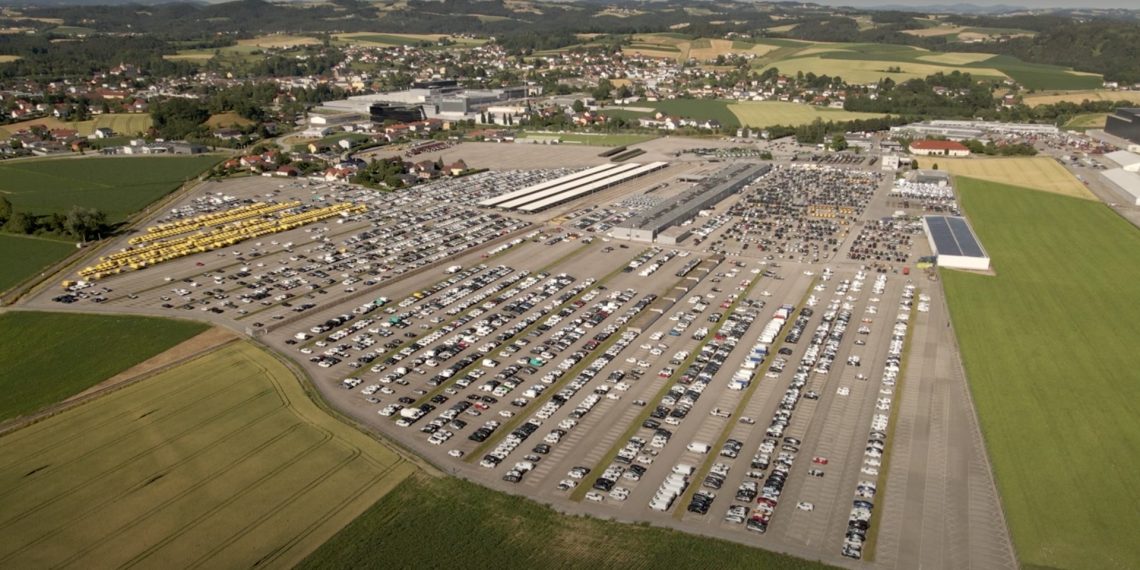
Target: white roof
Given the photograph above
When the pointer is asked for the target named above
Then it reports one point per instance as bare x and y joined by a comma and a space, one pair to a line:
1125, 180
1126, 160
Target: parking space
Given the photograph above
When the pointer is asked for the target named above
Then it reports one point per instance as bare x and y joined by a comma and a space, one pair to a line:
745, 383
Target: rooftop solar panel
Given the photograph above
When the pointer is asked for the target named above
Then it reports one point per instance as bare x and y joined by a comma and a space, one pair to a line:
953, 236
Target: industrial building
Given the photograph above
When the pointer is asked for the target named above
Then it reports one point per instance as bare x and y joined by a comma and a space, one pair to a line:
954, 243
442, 99
1125, 123
1126, 178
964, 130
706, 194
552, 193
938, 148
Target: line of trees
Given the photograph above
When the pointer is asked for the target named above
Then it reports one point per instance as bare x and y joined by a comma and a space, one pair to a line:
79, 223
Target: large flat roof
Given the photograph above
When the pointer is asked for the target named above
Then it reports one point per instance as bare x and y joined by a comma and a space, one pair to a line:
1125, 180
951, 235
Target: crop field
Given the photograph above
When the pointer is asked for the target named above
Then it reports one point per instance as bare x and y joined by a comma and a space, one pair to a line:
703, 49
8, 58
222, 462
1079, 96
46, 186
866, 63
230, 119
1049, 349
402, 39
1038, 173
459, 522
125, 123
24, 256
279, 41
768, 113
32, 346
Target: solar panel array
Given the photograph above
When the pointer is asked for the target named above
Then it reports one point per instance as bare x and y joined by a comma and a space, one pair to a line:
953, 236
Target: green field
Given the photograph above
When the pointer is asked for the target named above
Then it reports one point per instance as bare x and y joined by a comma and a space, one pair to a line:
121, 123
222, 462
591, 139
118, 186
33, 347
1087, 121
1038, 76
1049, 345
699, 109
23, 256
445, 522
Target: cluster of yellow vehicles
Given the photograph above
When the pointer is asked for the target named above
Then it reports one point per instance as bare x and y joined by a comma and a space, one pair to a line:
218, 230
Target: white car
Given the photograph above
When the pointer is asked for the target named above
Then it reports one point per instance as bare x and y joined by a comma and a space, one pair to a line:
843, 391
595, 496
455, 453
805, 506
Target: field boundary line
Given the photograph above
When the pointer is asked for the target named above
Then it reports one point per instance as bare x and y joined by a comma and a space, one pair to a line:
21, 422
977, 432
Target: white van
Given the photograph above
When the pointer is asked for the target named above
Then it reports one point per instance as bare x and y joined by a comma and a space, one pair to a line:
684, 469
699, 447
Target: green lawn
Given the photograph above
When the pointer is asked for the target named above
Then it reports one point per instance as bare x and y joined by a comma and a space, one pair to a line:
450, 523
1049, 345
1039, 76
592, 139
22, 256
118, 186
51, 356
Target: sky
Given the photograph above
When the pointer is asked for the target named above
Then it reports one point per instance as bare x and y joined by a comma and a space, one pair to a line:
1024, 3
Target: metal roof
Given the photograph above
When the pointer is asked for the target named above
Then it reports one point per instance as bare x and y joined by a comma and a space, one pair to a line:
953, 236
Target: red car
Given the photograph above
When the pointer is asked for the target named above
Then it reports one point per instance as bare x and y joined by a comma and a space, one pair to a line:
819, 460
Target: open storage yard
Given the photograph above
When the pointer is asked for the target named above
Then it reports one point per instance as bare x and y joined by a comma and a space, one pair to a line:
744, 384
1057, 399
226, 450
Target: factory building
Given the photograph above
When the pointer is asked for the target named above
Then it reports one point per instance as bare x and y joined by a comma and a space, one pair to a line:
1125, 123
709, 192
954, 243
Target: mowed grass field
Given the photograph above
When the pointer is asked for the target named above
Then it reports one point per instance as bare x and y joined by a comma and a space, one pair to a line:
1049, 346
23, 256
768, 113
222, 462
445, 522
49, 357
615, 139
119, 186
1037, 172
1087, 121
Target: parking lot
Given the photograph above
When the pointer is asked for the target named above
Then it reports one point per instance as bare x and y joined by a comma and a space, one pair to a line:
747, 383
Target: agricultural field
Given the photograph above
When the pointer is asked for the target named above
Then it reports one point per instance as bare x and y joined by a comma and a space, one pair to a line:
220, 462
1087, 121
682, 48
279, 41
47, 186
437, 516
125, 123
369, 38
591, 139
699, 109
24, 256
867, 63
768, 113
1048, 98
1057, 400
8, 58
32, 344
1038, 172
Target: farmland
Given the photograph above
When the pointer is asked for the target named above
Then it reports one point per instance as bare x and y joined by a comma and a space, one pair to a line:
222, 462
122, 123
230, 119
1079, 96
46, 186
768, 113
1057, 400
438, 516
1038, 173
8, 58
369, 38
31, 345
279, 41
1087, 121
23, 256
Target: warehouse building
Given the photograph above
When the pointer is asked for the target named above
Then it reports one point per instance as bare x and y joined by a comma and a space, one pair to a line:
709, 192
1125, 123
964, 130
954, 243
938, 148
539, 197
1126, 179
